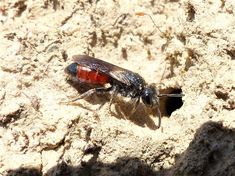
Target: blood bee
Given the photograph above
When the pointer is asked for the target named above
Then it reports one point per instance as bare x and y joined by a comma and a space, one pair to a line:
91, 70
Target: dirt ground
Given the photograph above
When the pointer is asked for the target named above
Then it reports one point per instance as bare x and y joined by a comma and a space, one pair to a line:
191, 49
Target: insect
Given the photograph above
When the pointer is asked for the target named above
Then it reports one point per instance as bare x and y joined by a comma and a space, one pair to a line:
121, 81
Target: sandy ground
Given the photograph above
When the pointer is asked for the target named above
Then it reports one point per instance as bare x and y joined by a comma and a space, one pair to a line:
193, 52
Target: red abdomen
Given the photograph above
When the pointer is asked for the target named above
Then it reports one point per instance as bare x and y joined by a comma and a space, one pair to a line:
85, 74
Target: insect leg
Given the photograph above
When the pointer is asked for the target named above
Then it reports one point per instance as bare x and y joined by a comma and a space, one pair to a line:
98, 90
136, 103
159, 116
86, 94
114, 94
101, 90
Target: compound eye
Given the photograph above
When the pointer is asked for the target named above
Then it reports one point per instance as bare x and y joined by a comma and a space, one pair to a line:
147, 98
71, 69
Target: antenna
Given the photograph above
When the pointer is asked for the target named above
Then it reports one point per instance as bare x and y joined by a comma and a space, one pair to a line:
171, 95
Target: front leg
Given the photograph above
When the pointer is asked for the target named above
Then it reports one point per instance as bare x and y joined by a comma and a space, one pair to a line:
159, 116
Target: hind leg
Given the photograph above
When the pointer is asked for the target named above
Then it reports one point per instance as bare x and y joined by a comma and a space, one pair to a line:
99, 90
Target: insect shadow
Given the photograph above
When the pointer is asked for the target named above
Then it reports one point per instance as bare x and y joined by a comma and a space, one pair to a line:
142, 116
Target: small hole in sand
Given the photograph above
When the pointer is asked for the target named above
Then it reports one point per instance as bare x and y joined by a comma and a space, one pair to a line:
170, 104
